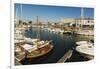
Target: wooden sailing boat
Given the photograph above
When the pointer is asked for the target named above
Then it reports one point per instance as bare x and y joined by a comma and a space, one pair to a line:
42, 47
32, 48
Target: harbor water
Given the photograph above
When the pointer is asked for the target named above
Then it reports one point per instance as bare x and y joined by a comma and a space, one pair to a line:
61, 42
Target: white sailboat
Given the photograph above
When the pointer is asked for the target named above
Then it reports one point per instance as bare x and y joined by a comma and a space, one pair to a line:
81, 31
85, 48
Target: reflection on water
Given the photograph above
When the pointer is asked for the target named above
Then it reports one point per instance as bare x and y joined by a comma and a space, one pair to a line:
62, 43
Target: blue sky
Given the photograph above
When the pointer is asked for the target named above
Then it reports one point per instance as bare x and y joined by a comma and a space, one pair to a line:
50, 13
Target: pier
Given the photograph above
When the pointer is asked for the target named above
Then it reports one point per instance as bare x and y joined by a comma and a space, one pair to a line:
17, 61
66, 56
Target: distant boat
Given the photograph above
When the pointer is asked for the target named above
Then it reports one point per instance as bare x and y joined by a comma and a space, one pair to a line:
86, 32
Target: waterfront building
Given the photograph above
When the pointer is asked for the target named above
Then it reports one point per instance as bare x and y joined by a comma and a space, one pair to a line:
86, 23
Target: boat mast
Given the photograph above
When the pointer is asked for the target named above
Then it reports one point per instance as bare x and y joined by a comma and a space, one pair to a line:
62, 23
38, 32
21, 8
16, 17
21, 11
47, 23
20, 17
82, 17
38, 28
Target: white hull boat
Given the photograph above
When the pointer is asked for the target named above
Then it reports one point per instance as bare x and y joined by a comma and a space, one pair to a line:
86, 32
86, 49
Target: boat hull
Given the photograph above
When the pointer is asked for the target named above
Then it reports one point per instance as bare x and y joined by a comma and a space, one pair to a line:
42, 53
90, 57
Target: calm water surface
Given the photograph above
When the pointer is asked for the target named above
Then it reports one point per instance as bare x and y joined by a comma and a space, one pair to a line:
62, 43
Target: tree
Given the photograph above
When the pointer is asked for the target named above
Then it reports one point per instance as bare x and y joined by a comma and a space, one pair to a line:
20, 21
30, 22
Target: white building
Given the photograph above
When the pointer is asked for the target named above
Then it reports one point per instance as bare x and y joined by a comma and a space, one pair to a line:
86, 22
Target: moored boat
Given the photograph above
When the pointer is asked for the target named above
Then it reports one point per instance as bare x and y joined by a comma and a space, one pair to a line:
85, 32
35, 49
86, 49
